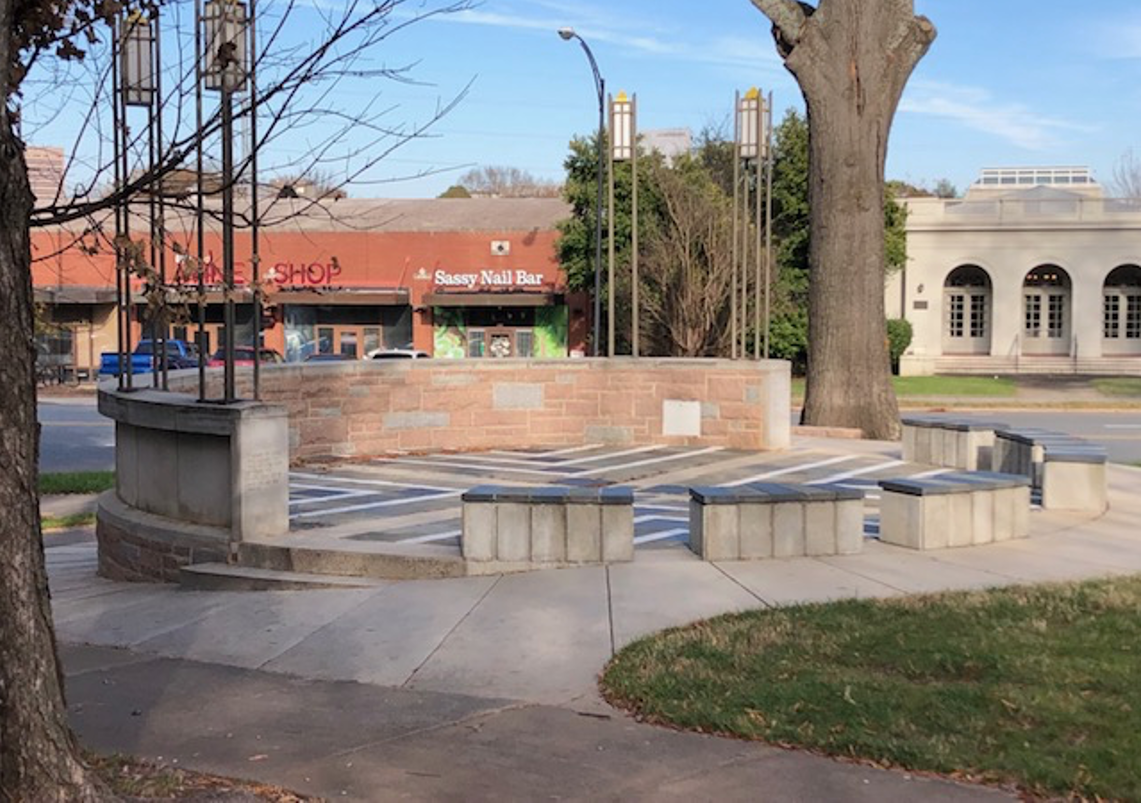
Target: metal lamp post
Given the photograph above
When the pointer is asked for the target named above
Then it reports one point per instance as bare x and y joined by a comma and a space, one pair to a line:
624, 142
749, 118
135, 86
568, 34
225, 71
752, 144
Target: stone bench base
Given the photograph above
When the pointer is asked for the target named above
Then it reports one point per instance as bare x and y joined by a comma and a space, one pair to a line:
954, 510
1069, 472
1077, 484
527, 528
775, 521
941, 441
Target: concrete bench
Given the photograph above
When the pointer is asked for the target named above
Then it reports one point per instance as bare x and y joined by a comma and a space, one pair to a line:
954, 510
942, 441
1069, 472
771, 520
526, 528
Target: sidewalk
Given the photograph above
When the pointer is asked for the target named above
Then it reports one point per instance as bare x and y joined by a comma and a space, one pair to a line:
485, 688
345, 741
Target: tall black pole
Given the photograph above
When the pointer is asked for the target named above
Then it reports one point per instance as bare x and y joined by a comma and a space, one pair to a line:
199, 217
126, 234
567, 34
162, 210
228, 393
254, 257
152, 212
600, 143
118, 206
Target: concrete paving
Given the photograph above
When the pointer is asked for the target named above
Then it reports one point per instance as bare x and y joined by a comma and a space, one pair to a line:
348, 741
485, 688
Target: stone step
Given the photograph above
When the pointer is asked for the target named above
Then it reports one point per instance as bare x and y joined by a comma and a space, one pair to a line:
347, 558
232, 577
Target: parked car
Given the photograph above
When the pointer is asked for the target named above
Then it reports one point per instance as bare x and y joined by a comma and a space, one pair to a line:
244, 357
330, 357
180, 355
397, 353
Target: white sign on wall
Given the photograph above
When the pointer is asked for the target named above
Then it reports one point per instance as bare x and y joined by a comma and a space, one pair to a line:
487, 279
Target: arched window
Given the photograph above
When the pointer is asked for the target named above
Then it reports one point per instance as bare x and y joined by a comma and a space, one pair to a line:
1122, 310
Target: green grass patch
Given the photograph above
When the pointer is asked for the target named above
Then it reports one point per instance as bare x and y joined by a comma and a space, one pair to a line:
64, 522
939, 386
954, 386
76, 482
1035, 686
1124, 387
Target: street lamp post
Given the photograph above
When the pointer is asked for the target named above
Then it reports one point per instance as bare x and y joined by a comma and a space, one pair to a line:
568, 34
225, 70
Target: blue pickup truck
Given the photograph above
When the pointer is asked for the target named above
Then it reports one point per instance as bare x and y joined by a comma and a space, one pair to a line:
180, 355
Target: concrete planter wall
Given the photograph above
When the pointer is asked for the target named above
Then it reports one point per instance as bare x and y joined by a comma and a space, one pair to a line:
191, 481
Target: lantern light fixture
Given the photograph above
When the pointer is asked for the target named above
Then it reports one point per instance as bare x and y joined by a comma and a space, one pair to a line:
137, 63
226, 30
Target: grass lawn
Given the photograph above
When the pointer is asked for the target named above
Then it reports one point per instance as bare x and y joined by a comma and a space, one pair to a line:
1035, 686
76, 482
953, 386
918, 386
1127, 387
64, 522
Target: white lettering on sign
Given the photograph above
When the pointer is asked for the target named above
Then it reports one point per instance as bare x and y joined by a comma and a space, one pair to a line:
488, 278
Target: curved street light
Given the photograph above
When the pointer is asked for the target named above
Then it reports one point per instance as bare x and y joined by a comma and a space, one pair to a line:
567, 34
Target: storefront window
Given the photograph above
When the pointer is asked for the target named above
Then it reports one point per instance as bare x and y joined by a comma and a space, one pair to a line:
500, 332
348, 330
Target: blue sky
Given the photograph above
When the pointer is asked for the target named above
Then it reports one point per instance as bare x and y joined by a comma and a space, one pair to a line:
1007, 83
1013, 82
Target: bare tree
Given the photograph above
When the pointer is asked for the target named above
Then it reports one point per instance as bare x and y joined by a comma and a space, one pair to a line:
318, 185
506, 181
687, 265
1126, 182
851, 59
299, 82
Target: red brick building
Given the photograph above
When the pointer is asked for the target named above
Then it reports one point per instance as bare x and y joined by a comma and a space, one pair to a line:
451, 277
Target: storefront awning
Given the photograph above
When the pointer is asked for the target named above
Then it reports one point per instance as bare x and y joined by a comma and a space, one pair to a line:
341, 297
74, 294
445, 299
324, 297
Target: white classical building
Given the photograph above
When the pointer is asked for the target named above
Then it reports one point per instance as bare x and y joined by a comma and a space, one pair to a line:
1034, 270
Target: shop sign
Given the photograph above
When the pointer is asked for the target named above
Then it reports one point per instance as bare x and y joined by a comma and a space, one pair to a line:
302, 274
487, 279
282, 273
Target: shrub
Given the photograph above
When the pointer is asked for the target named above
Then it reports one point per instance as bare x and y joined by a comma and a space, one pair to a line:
899, 338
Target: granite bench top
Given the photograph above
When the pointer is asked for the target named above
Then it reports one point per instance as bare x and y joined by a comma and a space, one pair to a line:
961, 483
551, 495
767, 493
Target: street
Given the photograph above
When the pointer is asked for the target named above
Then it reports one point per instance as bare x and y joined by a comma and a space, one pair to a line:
76, 437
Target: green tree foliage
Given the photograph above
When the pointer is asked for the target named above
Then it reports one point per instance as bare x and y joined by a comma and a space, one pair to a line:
709, 172
455, 192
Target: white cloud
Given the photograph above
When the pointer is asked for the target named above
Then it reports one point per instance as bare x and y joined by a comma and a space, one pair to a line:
632, 32
977, 109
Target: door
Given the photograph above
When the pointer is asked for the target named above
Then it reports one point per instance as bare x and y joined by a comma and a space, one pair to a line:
1047, 312
1046, 322
966, 321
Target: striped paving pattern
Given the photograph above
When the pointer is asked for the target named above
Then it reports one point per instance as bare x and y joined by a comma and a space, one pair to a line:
416, 499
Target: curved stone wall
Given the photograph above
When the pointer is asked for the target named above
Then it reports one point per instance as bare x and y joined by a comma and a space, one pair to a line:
191, 480
366, 408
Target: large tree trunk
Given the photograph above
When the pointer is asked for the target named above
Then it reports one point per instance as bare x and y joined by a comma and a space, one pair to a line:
39, 759
851, 59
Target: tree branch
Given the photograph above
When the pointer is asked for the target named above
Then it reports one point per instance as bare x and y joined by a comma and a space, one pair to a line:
788, 17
